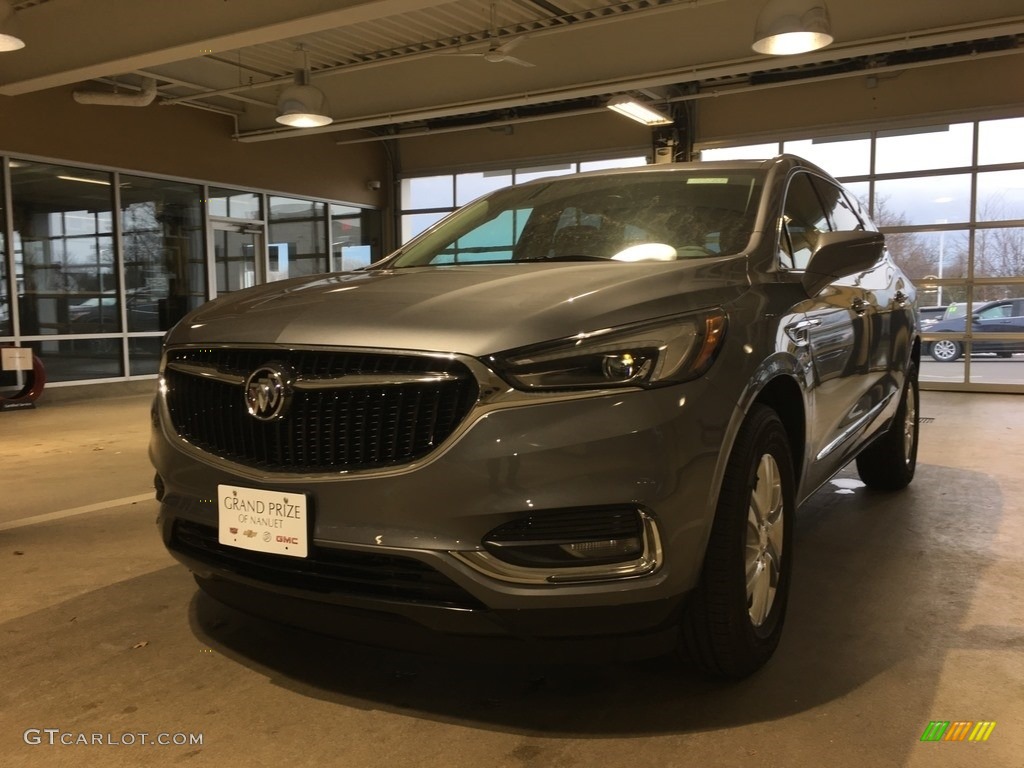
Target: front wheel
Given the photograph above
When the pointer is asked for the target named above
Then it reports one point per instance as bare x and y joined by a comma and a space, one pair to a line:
733, 621
946, 350
888, 464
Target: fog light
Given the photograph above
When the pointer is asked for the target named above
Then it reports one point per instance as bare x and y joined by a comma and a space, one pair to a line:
570, 545
614, 549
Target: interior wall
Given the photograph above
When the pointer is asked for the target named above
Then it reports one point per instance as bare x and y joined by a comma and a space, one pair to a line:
189, 143
974, 86
565, 137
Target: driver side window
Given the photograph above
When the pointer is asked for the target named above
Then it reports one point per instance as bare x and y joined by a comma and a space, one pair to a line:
803, 220
998, 311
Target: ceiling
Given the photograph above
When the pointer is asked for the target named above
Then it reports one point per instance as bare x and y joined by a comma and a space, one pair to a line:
398, 67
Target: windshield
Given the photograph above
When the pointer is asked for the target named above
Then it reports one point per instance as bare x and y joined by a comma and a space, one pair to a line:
620, 217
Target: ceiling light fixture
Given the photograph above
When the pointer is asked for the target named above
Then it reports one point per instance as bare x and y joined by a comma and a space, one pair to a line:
785, 27
303, 105
634, 110
8, 40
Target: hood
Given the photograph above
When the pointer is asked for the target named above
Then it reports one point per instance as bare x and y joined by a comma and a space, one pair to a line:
472, 310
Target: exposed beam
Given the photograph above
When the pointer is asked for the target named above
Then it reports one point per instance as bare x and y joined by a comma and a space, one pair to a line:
102, 38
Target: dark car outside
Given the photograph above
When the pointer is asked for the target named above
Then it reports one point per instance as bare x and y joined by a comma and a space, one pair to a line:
929, 316
1002, 316
579, 409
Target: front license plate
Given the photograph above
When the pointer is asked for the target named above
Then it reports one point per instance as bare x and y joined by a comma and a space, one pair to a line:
263, 521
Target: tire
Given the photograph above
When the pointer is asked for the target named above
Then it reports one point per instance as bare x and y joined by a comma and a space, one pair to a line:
946, 350
732, 624
888, 464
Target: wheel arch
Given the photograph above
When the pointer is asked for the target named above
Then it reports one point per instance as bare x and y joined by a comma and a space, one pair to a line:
784, 396
778, 384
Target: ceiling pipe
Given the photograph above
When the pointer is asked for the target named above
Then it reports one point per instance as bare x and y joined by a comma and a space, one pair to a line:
143, 98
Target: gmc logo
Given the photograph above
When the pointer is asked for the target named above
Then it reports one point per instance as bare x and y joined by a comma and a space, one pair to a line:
287, 539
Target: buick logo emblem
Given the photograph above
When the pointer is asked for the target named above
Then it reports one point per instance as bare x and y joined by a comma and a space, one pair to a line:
267, 391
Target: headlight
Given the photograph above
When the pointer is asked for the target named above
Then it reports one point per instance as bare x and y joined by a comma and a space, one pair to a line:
644, 355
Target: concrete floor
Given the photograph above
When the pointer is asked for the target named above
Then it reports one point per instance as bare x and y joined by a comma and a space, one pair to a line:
906, 608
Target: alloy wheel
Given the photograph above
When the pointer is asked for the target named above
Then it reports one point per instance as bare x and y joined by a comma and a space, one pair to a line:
945, 350
765, 528
910, 425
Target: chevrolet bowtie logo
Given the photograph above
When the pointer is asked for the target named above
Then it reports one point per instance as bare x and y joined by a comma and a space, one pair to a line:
267, 392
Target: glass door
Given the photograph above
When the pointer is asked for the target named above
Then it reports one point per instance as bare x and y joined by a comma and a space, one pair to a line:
238, 256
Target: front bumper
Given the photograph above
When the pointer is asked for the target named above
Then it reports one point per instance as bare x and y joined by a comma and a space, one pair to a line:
655, 450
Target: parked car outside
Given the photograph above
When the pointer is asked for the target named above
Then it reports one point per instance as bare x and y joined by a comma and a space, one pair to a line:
1002, 316
929, 316
102, 314
582, 407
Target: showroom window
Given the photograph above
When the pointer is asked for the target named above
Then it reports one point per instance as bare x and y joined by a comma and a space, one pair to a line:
6, 319
950, 199
425, 200
350, 227
105, 262
235, 204
296, 238
164, 261
66, 267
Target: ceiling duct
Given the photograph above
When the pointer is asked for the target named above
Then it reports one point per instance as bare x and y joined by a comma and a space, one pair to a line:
143, 98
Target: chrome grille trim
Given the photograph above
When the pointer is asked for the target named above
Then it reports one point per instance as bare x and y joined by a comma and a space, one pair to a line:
320, 382
206, 371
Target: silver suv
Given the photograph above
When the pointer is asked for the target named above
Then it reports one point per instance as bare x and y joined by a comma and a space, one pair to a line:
583, 407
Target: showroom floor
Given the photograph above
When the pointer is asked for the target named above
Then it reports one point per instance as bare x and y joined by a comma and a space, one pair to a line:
907, 608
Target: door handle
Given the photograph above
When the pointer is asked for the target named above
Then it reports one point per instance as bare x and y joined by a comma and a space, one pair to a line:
798, 331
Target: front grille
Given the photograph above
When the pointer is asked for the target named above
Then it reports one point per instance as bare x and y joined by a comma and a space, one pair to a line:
327, 571
323, 430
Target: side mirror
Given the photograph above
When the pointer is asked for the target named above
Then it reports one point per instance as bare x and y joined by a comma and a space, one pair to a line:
840, 254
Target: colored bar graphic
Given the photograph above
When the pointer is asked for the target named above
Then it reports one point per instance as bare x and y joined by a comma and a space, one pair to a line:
982, 731
935, 731
958, 730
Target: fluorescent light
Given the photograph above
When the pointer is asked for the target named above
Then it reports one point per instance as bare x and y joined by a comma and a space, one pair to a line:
634, 110
84, 181
785, 27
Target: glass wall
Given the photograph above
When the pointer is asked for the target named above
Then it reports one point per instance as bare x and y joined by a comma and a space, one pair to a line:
99, 264
235, 204
296, 238
164, 260
425, 200
66, 267
351, 237
6, 324
950, 199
